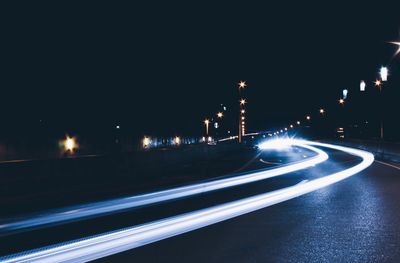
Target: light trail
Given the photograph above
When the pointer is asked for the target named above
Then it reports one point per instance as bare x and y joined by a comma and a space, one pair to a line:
99, 246
116, 205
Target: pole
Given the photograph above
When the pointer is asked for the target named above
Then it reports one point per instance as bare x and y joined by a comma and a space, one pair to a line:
240, 115
380, 95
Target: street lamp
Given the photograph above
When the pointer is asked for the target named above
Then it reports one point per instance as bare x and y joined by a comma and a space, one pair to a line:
308, 117
70, 144
378, 83
291, 125
322, 111
242, 84
207, 122
341, 101
345, 92
362, 85
384, 73
146, 142
220, 115
298, 122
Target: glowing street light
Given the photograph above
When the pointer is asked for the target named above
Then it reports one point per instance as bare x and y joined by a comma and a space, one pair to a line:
341, 101
362, 85
242, 102
177, 140
345, 92
220, 115
378, 83
298, 122
308, 117
242, 111
291, 125
146, 142
206, 122
70, 144
384, 73
242, 84
322, 111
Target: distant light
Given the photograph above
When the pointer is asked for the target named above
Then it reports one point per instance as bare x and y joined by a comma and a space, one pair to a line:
384, 73
203, 139
242, 111
281, 130
341, 101
322, 111
229, 132
298, 122
377, 83
209, 139
117, 127
291, 125
146, 142
206, 121
220, 115
177, 140
69, 144
345, 93
216, 125
242, 84
224, 108
362, 85
308, 117
243, 117
242, 101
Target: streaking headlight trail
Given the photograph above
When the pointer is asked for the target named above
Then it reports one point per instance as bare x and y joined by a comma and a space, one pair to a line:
116, 205
95, 247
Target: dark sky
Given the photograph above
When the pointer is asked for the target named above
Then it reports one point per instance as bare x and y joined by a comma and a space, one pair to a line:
167, 66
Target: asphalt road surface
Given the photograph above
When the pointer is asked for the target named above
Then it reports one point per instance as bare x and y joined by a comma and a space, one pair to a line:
354, 220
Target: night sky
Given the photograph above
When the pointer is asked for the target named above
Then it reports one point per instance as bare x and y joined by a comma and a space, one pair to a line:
161, 68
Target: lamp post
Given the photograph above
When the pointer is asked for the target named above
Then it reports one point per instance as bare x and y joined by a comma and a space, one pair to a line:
242, 85
378, 84
207, 122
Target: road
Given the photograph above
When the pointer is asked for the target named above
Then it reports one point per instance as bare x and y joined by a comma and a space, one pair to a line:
352, 220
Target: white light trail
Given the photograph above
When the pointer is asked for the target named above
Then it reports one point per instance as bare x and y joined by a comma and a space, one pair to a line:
117, 205
121, 240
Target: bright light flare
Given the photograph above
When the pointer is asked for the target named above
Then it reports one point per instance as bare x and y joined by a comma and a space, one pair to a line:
384, 72
377, 83
398, 45
146, 142
70, 144
345, 92
177, 140
242, 84
243, 102
220, 115
362, 85
276, 144
341, 101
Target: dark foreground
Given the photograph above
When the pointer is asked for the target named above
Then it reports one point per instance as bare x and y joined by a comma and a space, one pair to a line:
355, 220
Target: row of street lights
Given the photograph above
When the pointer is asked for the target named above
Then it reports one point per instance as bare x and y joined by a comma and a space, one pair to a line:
242, 114
378, 83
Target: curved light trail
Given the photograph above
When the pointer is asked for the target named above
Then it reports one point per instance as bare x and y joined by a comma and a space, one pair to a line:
95, 247
116, 205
